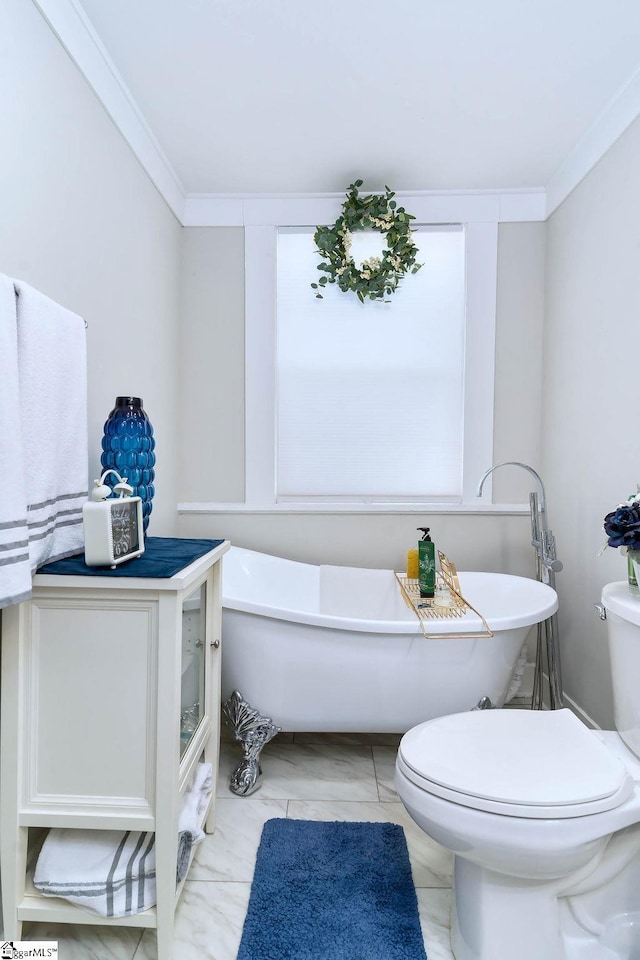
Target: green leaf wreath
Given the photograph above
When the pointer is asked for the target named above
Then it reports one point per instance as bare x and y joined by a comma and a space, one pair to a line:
377, 277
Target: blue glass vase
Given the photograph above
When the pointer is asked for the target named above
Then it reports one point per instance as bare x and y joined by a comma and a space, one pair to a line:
128, 446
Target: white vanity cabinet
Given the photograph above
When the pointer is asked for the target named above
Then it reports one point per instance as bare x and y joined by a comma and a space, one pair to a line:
110, 696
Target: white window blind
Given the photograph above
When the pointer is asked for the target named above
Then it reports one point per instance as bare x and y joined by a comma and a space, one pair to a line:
370, 397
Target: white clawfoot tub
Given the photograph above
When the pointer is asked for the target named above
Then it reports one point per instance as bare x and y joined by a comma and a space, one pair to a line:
325, 648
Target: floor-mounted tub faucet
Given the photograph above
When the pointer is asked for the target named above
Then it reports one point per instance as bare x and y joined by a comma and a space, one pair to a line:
525, 466
547, 565
542, 539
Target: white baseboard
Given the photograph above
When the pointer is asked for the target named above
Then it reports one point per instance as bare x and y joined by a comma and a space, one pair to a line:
526, 691
580, 713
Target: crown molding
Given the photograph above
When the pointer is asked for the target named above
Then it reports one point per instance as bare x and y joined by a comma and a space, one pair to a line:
77, 35
447, 206
611, 123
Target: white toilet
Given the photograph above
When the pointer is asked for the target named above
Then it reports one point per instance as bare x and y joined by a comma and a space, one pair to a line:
543, 816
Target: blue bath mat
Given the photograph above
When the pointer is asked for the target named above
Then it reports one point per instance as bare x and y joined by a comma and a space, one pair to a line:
332, 891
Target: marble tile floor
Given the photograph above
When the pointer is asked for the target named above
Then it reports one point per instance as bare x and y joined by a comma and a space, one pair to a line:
305, 776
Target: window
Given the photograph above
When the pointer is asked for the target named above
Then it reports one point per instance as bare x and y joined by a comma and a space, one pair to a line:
354, 405
369, 397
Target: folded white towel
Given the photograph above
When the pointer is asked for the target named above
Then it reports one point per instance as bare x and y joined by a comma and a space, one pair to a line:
52, 375
113, 873
15, 566
201, 783
194, 802
189, 820
109, 872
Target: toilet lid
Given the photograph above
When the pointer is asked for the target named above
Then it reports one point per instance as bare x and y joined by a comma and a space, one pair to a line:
517, 762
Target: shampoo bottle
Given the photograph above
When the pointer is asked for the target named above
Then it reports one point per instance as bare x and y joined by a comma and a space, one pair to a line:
426, 564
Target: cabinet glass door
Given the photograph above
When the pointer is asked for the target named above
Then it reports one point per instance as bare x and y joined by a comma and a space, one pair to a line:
193, 664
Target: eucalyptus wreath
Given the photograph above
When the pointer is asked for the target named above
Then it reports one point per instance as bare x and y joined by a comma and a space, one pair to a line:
377, 277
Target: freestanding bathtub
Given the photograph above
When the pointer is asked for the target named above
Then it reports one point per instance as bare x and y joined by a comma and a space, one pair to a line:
326, 648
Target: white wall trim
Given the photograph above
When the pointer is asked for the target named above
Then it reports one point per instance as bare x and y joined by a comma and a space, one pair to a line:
481, 254
392, 509
480, 338
579, 712
260, 362
305, 210
616, 117
76, 34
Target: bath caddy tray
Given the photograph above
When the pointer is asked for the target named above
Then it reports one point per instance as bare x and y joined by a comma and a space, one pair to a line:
427, 610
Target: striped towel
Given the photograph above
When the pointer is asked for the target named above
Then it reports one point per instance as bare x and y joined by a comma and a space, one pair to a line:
15, 565
113, 872
43, 435
106, 871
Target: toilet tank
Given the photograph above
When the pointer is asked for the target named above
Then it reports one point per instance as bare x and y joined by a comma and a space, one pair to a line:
623, 625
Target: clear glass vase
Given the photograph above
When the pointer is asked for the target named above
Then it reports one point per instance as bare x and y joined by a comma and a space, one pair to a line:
128, 446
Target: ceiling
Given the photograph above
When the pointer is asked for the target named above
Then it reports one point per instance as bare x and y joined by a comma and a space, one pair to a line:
250, 97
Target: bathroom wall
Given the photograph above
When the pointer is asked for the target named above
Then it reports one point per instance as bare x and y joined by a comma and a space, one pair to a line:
81, 221
591, 452
212, 436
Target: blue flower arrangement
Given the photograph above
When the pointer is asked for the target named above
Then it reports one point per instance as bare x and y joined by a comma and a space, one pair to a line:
622, 526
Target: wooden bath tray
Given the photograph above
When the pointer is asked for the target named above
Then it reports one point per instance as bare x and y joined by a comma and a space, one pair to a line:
426, 609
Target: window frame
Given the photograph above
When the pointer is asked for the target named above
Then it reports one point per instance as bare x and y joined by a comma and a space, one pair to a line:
481, 233
366, 318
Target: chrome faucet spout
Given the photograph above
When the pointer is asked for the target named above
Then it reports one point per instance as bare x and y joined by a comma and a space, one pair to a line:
525, 466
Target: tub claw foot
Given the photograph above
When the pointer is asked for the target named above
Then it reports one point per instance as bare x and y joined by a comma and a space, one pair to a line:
484, 703
253, 732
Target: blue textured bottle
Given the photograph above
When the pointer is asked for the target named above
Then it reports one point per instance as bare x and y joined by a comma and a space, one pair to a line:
128, 446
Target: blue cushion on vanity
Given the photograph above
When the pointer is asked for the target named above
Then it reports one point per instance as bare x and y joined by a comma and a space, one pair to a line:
162, 557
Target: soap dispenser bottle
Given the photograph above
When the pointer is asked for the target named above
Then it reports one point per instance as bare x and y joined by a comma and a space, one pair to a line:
426, 564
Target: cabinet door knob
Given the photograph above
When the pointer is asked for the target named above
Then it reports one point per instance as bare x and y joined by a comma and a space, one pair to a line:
216, 644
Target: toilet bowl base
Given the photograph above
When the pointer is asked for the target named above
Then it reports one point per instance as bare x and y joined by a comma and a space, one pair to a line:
589, 915
499, 918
